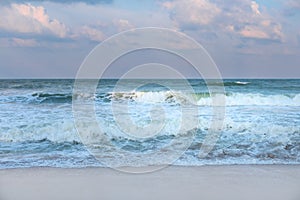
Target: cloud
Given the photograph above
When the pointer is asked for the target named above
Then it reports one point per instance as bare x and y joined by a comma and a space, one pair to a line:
253, 32
242, 19
25, 23
24, 42
248, 21
255, 7
292, 8
293, 4
91, 33
93, 2
207, 20
26, 18
266, 30
123, 24
192, 12
18, 42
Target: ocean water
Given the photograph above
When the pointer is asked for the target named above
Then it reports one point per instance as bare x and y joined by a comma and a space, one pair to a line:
37, 126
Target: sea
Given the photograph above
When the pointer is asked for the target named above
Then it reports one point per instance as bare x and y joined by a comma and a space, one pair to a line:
141, 123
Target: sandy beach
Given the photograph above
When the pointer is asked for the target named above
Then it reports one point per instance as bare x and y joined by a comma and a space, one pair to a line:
208, 182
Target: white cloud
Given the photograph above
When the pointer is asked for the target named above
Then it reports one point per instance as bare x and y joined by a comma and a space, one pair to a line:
123, 24
255, 7
26, 18
194, 12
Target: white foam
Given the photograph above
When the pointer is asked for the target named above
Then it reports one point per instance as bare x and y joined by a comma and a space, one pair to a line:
242, 82
235, 99
249, 99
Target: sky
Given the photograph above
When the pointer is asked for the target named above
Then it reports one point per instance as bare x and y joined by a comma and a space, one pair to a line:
245, 38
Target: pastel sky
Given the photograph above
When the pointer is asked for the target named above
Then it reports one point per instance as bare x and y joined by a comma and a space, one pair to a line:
50, 39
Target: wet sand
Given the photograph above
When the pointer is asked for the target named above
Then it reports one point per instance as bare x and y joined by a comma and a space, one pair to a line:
256, 182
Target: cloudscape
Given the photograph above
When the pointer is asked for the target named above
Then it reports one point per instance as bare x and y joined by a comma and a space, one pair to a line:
246, 38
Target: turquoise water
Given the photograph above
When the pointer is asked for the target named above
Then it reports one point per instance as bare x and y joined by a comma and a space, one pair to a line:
261, 125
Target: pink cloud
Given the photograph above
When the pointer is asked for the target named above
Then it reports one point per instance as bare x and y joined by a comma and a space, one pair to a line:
240, 18
26, 18
254, 32
93, 34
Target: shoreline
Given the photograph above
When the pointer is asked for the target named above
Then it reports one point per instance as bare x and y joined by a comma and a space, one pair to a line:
253, 182
170, 166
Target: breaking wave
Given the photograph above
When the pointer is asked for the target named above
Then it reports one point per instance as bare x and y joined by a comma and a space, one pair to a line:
201, 98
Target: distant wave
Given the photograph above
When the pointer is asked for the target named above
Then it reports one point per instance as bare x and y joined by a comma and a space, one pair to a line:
220, 83
241, 83
52, 98
225, 83
37, 98
236, 83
